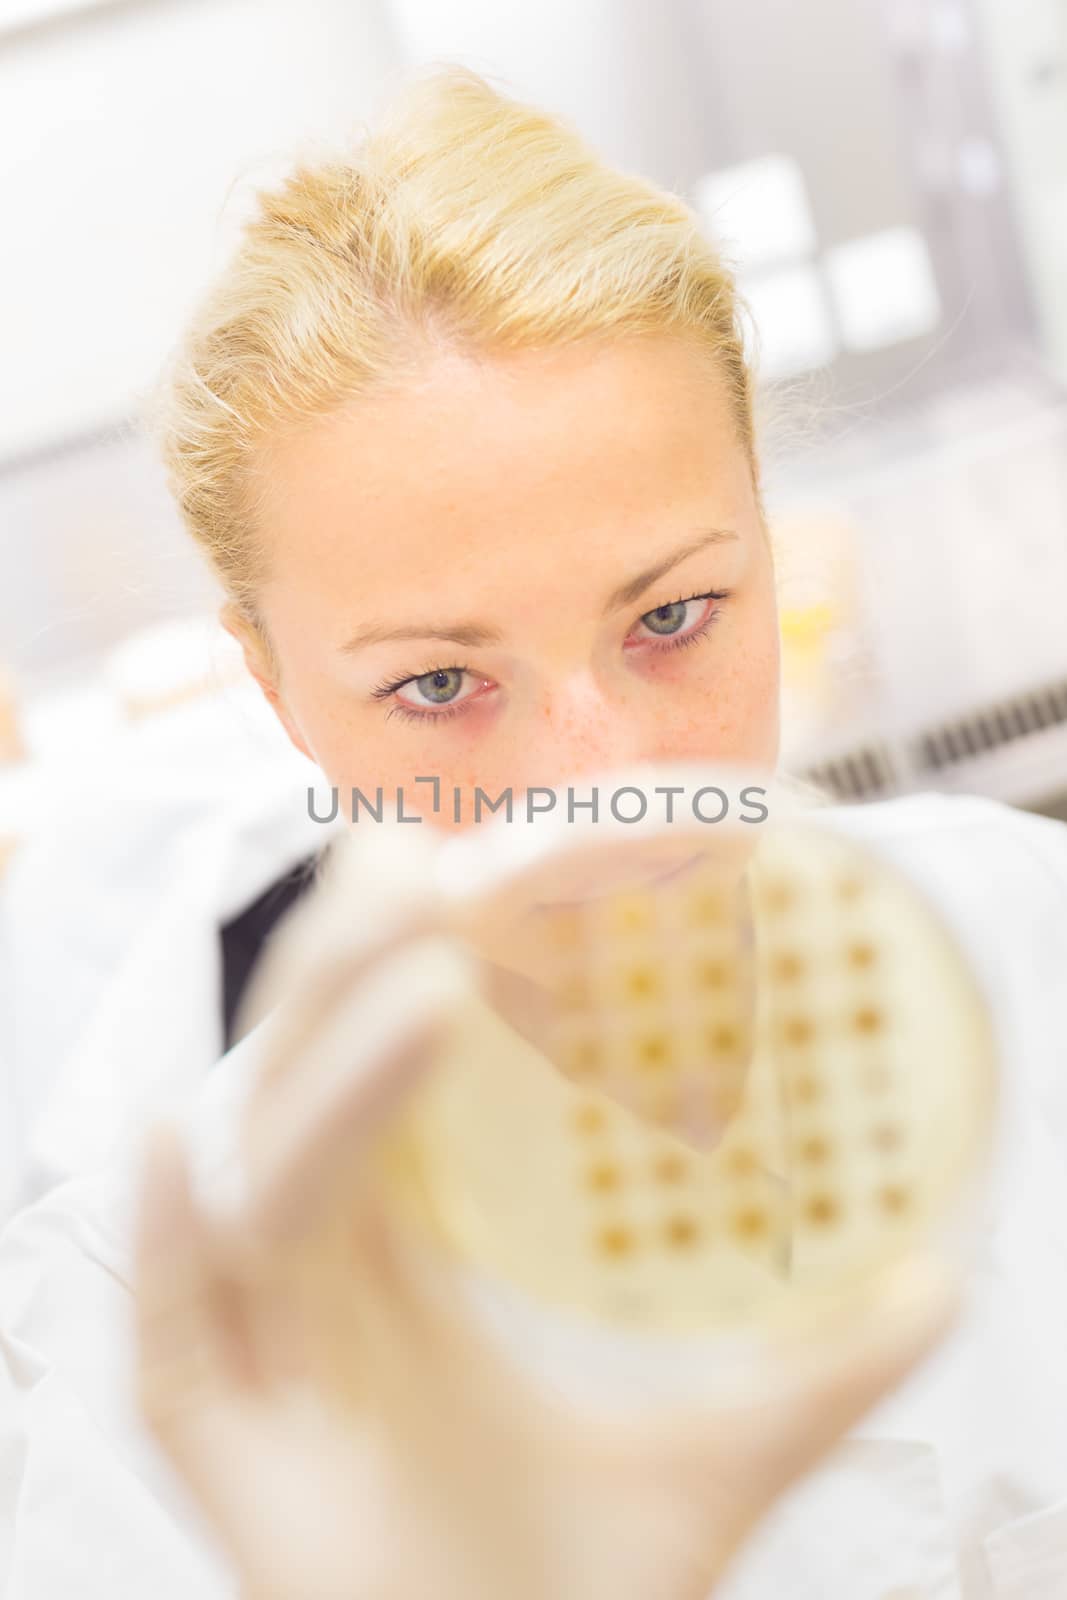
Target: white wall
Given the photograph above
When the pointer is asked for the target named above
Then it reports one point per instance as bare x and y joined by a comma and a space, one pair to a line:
628, 73
1026, 54
120, 135
26, 13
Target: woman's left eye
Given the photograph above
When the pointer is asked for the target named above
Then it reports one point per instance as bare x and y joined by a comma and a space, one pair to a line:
439, 688
679, 621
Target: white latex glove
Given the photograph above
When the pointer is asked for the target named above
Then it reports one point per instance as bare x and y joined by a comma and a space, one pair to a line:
349, 1431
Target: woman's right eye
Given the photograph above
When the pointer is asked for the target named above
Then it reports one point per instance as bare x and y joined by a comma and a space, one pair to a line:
433, 696
439, 688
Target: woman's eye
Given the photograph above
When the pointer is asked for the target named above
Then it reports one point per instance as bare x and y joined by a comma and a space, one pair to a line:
439, 688
667, 619
670, 621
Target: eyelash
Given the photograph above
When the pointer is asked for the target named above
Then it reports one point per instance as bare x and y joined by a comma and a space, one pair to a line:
388, 688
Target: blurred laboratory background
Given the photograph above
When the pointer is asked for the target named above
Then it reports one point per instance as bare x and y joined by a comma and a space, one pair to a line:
888, 176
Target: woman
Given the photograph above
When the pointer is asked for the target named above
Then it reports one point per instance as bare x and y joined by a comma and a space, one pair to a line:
465, 428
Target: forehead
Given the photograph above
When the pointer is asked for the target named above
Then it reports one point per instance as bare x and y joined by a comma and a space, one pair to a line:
567, 450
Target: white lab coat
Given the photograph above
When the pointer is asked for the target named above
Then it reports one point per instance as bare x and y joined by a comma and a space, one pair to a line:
955, 1489
109, 851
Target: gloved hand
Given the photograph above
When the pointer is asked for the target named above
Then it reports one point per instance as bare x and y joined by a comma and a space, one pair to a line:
348, 1428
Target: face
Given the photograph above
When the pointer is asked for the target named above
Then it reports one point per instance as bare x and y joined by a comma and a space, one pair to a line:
517, 571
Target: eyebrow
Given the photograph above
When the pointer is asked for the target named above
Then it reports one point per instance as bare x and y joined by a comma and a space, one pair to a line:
474, 634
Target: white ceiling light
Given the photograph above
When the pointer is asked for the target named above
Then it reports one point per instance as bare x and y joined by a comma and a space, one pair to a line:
884, 288
760, 211
792, 317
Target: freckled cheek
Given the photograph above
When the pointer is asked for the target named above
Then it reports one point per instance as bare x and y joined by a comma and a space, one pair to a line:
728, 712
349, 743
756, 722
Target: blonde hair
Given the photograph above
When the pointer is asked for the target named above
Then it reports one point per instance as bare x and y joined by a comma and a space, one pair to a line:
464, 218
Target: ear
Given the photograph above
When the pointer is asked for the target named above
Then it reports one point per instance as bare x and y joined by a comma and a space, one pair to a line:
258, 661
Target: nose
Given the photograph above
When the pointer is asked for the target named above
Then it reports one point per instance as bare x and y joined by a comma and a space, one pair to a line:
579, 729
